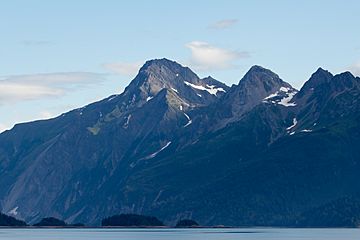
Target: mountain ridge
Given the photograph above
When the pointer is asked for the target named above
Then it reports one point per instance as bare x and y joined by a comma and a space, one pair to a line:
178, 146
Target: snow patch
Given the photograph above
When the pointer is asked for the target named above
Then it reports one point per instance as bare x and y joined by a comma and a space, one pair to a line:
13, 211
148, 99
199, 95
287, 100
292, 133
271, 96
306, 130
209, 88
294, 124
181, 108
189, 120
157, 152
175, 90
284, 101
285, 89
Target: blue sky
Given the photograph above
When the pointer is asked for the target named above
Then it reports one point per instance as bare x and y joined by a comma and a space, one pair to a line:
60, 55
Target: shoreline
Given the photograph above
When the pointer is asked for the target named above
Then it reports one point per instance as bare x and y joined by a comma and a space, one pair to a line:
168, 227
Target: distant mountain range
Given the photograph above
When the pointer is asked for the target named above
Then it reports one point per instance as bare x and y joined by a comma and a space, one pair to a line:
176, 146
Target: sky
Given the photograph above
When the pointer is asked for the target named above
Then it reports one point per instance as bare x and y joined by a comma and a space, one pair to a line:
59, 55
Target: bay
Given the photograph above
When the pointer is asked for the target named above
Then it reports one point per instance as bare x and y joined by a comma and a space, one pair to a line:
180, 234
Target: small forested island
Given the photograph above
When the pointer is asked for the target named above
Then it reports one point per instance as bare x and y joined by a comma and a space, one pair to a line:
131, 220
185, 223
51, 222
54, 222
8, 221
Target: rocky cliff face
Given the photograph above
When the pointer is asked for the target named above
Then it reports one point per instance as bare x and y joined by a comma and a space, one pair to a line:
177, 146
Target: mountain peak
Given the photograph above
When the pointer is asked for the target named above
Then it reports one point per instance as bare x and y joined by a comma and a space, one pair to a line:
165, 69
319, 77
257, 85
158, 74
259, 76
161, 62
322, 72
345, 80
346, 74
257, 73
258, 68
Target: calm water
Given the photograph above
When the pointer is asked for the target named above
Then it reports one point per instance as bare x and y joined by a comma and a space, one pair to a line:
180, 234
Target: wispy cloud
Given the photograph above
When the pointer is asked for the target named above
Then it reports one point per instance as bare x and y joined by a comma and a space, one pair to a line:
355, 69
223, 24
123, 68
19, 92
207, 57
37, 86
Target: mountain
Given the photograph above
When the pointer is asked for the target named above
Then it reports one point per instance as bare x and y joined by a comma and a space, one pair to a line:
98, 146
176, 146
8, 221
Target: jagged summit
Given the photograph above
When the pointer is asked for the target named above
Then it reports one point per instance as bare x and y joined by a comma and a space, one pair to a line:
164, 70
257, 85
321, 70
345, 80
158, 74
258, 68
321, 73
162, 62
345, 75
319, 77
167, 70
258, 73
261, 81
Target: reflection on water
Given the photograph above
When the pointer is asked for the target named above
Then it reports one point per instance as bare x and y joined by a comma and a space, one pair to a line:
181, 234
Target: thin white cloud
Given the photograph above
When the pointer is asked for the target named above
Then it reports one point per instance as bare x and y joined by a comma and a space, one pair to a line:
123, 68
223, 24
63, 79
38, 86
355, 69
19, 92
207, 57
